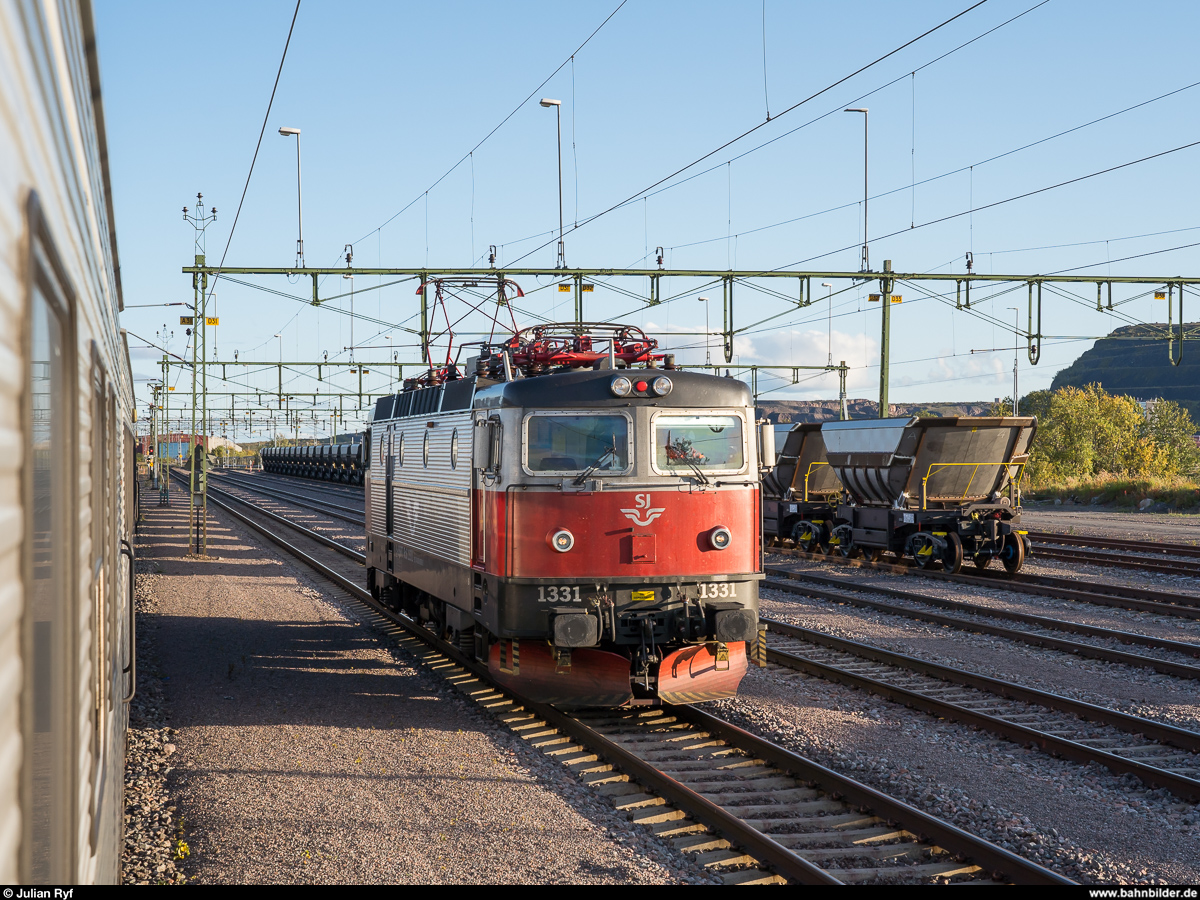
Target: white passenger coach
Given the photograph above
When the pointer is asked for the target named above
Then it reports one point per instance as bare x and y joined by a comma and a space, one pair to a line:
67, 488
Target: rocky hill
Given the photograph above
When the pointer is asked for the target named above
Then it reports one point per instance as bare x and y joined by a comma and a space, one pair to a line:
1133, 360
784, 411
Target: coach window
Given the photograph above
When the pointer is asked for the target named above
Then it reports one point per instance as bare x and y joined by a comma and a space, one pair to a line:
569, 443
101, 570
48, 643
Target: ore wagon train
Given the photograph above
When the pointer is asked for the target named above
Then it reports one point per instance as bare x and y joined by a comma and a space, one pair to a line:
801, 493
940, 490
341, 463
578, 513
67, 486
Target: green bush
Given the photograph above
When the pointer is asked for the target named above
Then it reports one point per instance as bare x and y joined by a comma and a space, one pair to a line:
1086, 433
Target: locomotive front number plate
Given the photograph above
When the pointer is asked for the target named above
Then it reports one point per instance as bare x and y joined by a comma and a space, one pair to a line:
643, 596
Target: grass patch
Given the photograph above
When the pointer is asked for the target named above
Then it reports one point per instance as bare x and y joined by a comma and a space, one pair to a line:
1178, 492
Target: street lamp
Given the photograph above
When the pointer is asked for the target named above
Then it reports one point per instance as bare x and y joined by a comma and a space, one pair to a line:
562, 256
707, 335
829, 303
1016, 334
866, 263
288, 132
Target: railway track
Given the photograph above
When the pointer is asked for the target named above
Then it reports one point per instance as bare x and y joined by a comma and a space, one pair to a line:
1161, 755
337, 510
746, 809
1120, 596
1163, 567
971, 616
1084, 540
352, 491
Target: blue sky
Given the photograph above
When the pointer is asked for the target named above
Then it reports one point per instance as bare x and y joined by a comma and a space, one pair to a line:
389, 96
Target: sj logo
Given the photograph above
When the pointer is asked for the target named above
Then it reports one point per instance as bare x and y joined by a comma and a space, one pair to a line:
642, 514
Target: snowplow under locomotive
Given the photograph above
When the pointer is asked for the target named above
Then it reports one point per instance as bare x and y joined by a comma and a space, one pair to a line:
577, 512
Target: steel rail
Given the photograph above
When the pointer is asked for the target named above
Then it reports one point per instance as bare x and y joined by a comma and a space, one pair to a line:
1166, 567
1162, 732
1166, 667
992, 858
1124, 637
1141, 599
352, 491
338, 512
307, 532
1140, 546
949, 837
1180, 785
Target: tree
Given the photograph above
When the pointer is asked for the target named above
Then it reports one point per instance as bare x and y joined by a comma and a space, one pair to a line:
1172, 428
1086, 431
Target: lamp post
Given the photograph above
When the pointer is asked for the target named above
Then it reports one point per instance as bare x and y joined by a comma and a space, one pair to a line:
829, 303
275, 434
557, 104
707, 341
866, 262
1016, 335
288, 132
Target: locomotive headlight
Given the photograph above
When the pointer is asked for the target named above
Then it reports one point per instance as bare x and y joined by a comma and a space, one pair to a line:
662, 385
720, 538
562, 540
621, 386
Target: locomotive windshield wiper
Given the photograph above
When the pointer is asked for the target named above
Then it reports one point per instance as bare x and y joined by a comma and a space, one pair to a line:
609, 454
695, 467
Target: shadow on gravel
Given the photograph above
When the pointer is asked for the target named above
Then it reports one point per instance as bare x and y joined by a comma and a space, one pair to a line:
226, 671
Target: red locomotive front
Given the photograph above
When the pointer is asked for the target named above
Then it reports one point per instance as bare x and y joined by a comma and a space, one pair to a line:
592, 532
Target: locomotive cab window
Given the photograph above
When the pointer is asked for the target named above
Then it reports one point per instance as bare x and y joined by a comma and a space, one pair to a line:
558, 443
707, 443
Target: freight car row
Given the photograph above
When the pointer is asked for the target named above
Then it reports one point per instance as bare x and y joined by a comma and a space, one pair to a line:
343, 463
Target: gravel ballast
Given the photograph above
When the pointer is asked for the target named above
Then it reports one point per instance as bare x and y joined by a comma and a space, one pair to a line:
1084, 822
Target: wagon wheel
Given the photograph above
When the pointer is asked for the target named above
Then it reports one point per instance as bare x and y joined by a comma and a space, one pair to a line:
873, 554
952, 559
983, 560
848, 549
807, 538
924, 555
1013, 554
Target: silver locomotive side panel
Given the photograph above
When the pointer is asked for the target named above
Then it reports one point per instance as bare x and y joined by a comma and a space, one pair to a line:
432, 487
425, 460
66, 503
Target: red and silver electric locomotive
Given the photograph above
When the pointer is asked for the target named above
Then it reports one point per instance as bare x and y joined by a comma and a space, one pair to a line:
578, 512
